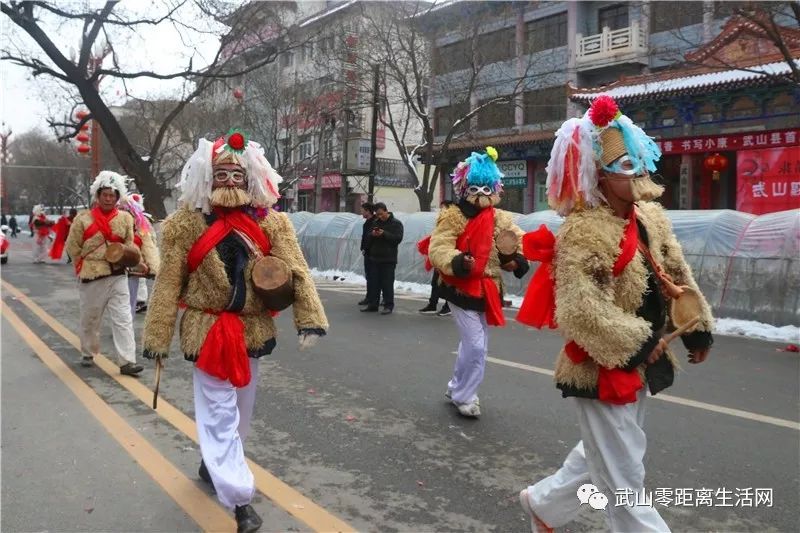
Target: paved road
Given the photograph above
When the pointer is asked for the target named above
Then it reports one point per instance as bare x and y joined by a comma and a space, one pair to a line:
360, 427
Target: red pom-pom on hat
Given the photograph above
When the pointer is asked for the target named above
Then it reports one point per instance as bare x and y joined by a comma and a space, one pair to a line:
236, 141
603, 110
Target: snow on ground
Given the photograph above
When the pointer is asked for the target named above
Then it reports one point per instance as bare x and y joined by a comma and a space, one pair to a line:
724, 326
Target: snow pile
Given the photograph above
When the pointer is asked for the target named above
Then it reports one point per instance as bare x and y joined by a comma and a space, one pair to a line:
724, 326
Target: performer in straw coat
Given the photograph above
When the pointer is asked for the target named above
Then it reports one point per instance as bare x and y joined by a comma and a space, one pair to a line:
463, 249
605, 281
103, 285
209, 245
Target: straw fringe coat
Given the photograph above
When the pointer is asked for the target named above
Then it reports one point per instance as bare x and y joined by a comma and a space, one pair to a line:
598, 310
93, 249
208, 288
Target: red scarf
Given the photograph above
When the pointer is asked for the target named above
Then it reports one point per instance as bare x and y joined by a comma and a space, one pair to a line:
42, 230
614, 385
101, 223
224, 351
62, 231
478, 240
423, 247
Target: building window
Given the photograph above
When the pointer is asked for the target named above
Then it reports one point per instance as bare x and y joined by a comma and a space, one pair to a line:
666, 16
305, 149
613, 18
546, 33
496, 116
727, 8
496, 46
744, 107
445, 117
781, 104
669, 117
707, 113
545, 105
456, 56
640, 118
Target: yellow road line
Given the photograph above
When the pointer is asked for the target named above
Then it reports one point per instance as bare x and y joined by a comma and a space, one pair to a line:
196, 503
283, 495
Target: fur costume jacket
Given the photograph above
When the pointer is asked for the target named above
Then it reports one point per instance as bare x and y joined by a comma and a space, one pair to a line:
150, 251
209, 289
445, 257
617, 320
94, 248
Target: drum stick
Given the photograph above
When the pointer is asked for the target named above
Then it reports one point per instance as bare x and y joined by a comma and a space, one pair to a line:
681, 330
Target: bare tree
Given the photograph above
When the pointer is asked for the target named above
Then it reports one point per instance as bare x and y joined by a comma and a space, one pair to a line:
399, 38
44, 22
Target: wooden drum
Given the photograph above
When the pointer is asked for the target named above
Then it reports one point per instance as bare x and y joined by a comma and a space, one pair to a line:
685, 308
507, 243
272, 281
123, 255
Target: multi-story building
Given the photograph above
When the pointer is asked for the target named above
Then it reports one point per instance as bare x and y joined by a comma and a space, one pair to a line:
537, 54
312, 99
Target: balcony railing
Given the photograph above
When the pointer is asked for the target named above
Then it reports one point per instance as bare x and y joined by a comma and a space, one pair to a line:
612, 47
392, 173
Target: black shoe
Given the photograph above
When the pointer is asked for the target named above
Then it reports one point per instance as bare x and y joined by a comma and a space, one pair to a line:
247, 521
387, 311
370, 309
364, 302
130, 369
204, 475
428, 309
141, 307
507, 303
87, 361
445, 311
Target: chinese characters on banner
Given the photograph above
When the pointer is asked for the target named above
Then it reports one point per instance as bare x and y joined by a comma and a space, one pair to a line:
768, 180
733, 141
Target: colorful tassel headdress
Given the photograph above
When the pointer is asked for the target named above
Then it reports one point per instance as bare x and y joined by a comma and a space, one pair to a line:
598, 139
197, 175
478, 169
134, 204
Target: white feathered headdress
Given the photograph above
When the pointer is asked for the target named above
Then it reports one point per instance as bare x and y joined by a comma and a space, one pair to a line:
197, 175
38, 209
108, 179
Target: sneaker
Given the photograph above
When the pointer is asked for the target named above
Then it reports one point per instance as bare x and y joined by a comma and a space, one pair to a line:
247, 520
364, 302
370, 310
537, 525
130, 369
449, 394
428, 309
445, 311
141, 307
470, 410
87, 360
387, 311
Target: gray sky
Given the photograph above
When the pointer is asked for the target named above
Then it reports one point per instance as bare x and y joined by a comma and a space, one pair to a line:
27, 102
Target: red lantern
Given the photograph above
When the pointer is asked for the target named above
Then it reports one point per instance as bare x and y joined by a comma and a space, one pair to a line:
238, 93
82, 138
715, 163
84, 149
85, 127
80, 115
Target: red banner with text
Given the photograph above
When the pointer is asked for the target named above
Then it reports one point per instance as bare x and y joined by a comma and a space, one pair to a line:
768, 180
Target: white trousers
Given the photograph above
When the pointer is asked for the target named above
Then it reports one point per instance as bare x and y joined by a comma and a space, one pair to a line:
610, 457
41, 247
472, 350
223, 415
96, 296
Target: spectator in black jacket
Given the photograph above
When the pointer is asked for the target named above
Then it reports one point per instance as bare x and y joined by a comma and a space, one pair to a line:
385, 237
368, 212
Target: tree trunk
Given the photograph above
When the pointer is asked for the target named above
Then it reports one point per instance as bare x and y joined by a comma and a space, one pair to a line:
424, 197
132, 163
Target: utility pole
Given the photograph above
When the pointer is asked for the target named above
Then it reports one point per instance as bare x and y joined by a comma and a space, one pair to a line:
374, 138
320, 160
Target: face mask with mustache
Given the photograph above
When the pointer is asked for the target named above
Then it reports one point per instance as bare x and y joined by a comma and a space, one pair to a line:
645, 189
229, 197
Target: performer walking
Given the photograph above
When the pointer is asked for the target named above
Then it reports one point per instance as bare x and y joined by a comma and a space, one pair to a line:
62, 231
144, 240
226, 223
463, 249
103, 285
42, 227
613, 260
